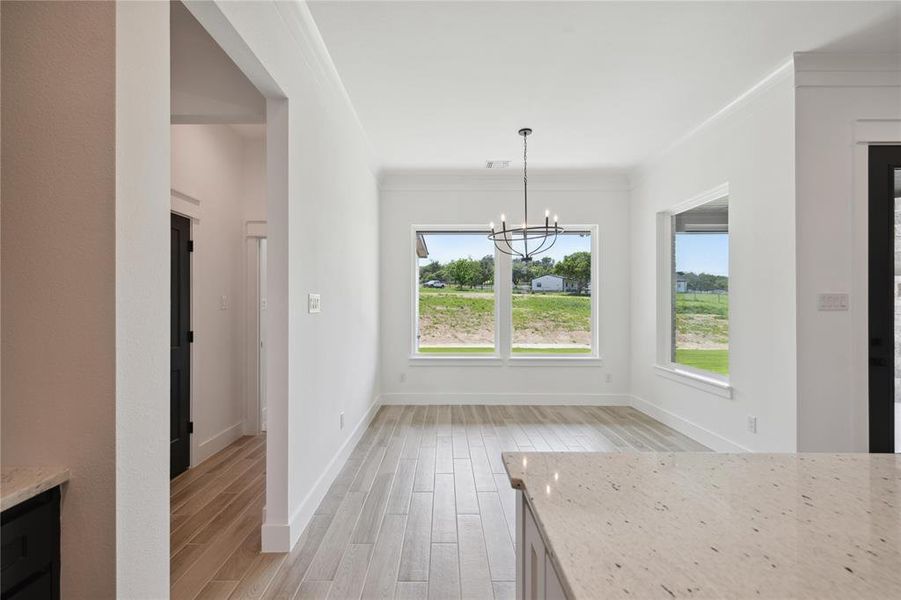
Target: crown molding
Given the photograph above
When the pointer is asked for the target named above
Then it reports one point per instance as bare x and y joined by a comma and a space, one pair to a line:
315, 55
311, 54
834, 69
508, 180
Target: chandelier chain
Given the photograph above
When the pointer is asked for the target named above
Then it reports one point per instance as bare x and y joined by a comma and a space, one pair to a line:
525, 177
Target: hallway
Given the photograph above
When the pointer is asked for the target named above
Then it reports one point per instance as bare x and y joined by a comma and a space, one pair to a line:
421, 509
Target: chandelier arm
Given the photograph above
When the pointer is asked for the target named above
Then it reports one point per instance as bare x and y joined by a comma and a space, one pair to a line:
552, 243
509, 245
512, 253
544, 240
513, 250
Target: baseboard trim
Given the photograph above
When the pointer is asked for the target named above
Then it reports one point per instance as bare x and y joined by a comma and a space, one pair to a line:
496, 398
712, 440
218, 442
281, 537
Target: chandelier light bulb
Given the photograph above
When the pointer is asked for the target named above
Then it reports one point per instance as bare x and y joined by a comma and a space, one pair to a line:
491, 225
547, 213
503, 218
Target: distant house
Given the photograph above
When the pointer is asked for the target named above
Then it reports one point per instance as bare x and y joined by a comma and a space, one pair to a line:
681, 285
553, 283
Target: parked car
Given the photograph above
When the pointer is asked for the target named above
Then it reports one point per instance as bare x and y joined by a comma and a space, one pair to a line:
433, 283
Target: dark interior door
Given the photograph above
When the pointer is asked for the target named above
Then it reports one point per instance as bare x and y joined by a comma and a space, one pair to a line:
884, 264
180, 355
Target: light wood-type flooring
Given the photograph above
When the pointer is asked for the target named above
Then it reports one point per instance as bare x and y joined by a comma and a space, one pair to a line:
421, 509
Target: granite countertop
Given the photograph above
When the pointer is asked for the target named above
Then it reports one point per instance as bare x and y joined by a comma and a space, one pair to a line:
18, 484
717, 525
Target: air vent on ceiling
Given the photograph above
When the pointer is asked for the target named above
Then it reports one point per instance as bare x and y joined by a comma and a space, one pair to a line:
497, 164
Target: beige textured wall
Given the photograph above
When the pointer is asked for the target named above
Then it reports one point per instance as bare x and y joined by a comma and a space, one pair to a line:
58, 267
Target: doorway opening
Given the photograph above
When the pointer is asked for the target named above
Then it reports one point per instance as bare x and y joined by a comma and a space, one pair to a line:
219, 186
885, 298
262, 305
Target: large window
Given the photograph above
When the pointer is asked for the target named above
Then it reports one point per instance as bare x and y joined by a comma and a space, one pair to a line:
544, 308
551, 299
455, 297
700, 287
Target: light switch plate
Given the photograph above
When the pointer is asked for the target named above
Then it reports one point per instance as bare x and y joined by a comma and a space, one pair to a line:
832, 302
313, 304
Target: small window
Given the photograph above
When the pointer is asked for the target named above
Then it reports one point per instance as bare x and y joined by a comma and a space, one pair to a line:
455, 293
552, 303
700, 288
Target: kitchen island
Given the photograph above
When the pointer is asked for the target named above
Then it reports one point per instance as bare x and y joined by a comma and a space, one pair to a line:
594, 525
30, 531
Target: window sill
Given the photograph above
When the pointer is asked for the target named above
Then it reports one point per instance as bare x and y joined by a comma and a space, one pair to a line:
704, 383
419, 360
557, 361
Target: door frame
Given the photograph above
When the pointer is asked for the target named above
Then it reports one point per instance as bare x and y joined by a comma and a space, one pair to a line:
882, 162
254, 231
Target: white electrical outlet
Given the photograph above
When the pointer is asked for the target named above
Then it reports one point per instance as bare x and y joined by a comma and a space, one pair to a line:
223, 302
341, 420
752, 424
313, 304
403, 377
608, 378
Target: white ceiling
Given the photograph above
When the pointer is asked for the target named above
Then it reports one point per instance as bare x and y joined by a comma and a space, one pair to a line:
603, 84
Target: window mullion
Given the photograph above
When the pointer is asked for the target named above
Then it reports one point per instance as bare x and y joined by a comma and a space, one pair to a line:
503, 286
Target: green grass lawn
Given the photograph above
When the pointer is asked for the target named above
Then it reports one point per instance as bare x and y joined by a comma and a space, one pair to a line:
702, 304
552, 350
715, 361
462, 322
486, 350
556, 312
703, 320
456, 350
452, 289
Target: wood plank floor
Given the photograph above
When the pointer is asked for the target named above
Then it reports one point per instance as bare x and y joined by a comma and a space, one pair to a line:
421, 509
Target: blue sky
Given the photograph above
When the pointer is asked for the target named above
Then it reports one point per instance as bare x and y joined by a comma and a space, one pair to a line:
445, 248
702, 253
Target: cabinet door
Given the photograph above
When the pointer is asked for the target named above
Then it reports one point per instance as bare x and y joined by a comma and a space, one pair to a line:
552, 586
533, 558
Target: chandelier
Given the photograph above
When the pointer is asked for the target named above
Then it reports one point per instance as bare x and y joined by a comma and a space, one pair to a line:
516, 241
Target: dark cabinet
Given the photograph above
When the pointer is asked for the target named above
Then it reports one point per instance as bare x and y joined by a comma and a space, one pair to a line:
29, 549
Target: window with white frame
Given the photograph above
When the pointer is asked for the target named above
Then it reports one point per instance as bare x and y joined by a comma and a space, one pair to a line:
546, 308
455, 301
551, 299
699, 287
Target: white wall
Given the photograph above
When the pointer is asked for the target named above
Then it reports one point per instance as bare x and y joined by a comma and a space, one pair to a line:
216, 178
750, 146
59, 280
843, 102
142, 302
323, 237
451, 198
253, 192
